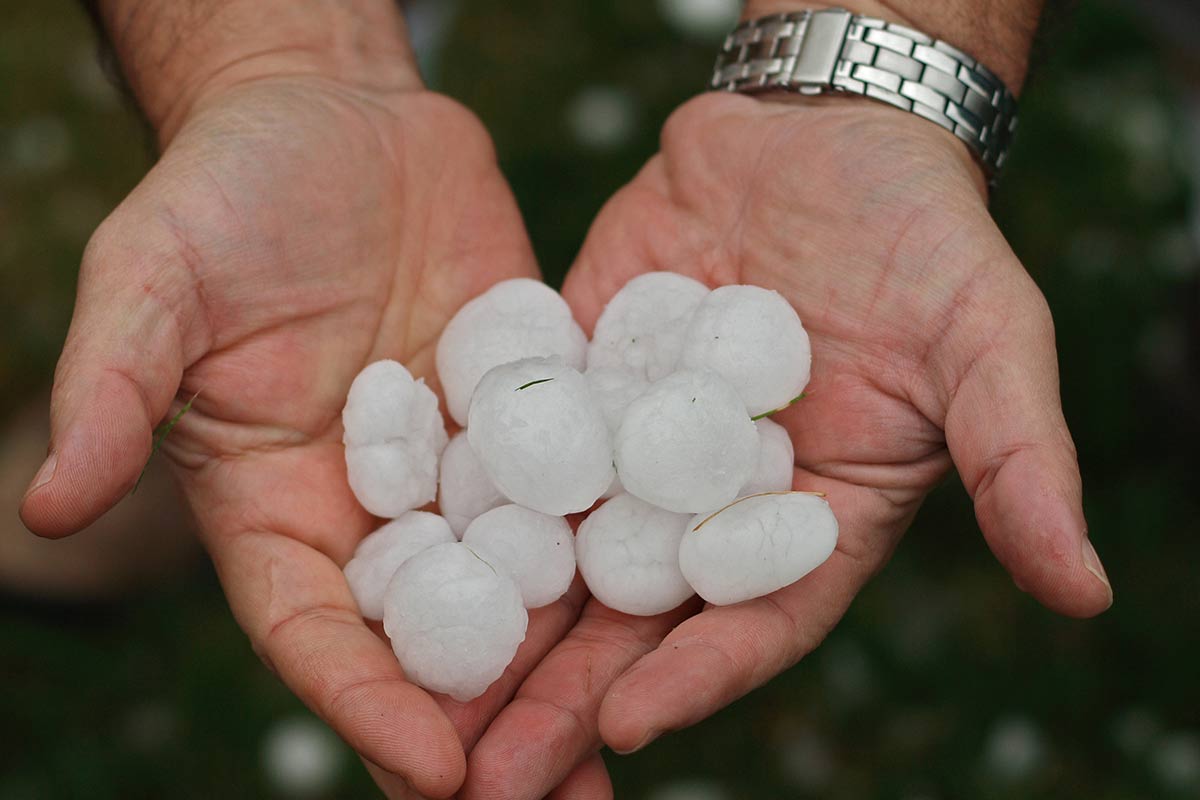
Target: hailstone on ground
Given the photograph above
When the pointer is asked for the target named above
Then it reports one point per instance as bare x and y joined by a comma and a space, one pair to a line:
541, 437
753, 338
393, 436
687, 444
776, 459
536, 549
628, 554
642, 328
757, 545
514, 319
381, 553
455, 620
465, 490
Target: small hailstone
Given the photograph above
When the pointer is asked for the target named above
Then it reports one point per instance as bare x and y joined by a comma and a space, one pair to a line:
687, 443
514, 319
628, 554
393, 435
757, 545
776, 460
381, 553
754, 339
642, 328
536, 549
465, 490
455, 620
540, 436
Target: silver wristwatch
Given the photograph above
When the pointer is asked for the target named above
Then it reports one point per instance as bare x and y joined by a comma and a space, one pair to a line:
834, 51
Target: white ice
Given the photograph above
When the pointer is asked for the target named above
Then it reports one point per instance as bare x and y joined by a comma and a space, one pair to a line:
381, 553
536, 549
464, 491
776, 460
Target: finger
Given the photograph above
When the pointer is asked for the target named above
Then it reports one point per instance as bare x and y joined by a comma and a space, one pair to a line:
588, 781
724, 652
393, 786
132, 333
294, 604
1009, 440
551, 724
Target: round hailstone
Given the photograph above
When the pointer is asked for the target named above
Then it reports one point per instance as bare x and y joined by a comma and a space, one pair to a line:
757, 545
393, 434
455, 621
465, 490
535, 548
381, 553
628, 554
776, 460
754, 339
642, 328
687, 444
614, 388
514, 319
541, 436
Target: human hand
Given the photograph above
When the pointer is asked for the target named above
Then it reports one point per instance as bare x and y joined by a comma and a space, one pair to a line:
931, 345
301, 223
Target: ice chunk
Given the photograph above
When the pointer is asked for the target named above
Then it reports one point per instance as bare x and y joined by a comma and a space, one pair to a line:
465, 490
757, 545
536, 549
642, 328
541, 437
754, 339
687, 443
393, 434
381, 553
628, 554
514, 319
776, 460
455, 620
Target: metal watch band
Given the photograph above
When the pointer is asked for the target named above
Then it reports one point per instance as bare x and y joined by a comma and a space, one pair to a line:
834, 51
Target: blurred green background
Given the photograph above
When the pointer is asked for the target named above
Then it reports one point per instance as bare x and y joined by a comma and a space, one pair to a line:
944, 681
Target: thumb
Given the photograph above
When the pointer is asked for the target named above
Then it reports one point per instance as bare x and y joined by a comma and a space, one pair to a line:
119, 369
1009, 440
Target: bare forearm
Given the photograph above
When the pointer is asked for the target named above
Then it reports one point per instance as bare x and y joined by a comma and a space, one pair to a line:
172, 52
999, 33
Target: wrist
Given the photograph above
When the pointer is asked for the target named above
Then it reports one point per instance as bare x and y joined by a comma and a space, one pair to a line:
175, 53
998, 33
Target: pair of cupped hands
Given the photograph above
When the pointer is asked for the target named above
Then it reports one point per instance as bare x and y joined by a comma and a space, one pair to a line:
300, 226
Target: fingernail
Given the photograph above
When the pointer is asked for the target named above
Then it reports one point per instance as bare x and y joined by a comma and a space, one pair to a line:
44, 474
647, 739
1091, 562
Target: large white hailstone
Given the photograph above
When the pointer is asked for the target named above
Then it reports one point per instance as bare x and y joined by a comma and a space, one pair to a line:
757, 545
536, 549
776, 460
753, 338
514, 319
628, 554
393, 434
614, 388
642, 328
381, 553
455, 620
540, 436
687, 444
465, 490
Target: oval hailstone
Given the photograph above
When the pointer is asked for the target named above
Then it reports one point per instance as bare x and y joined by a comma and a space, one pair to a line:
536, 549
381, 553
464, 490
540, 436
776, 460
753, 338
628, 554
642, 328
687, 444
514, 319
393, 436
757, 545
455, 621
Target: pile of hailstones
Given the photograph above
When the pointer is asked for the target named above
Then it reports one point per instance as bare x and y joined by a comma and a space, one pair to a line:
662, 417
